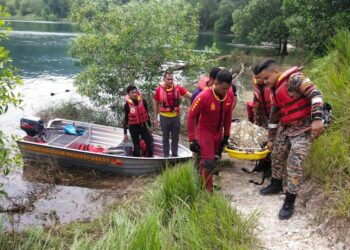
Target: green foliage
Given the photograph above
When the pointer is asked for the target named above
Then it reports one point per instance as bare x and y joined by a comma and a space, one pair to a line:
208, 13
127, 44
312, 23
261, 20
8, 81
198, 220
224, 19
47, 9
332, 74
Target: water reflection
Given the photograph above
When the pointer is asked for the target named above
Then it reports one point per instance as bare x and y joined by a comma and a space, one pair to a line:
44, 26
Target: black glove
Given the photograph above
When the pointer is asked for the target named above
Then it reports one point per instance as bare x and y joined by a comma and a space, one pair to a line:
224, 140
194, 147
223, 143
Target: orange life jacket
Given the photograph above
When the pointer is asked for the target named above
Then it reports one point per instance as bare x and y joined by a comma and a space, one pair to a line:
138, 113
203, 82
164, 100
290, 108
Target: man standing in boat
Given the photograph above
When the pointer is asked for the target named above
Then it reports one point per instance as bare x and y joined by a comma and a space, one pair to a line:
137, 120
167, 102
296, 119
213, 110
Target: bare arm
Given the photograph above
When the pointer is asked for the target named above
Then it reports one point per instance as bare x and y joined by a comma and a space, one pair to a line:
188, 95
155, 113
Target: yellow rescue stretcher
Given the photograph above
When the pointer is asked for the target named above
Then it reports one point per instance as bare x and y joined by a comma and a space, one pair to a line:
252, 154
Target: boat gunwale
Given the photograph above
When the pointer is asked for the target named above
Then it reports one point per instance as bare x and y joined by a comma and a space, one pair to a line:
98, 153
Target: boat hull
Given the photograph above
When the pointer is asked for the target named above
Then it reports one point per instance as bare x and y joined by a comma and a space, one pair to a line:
72, 157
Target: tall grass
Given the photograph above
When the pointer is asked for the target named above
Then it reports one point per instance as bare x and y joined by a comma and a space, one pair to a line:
176, 213
178, 187
329, 161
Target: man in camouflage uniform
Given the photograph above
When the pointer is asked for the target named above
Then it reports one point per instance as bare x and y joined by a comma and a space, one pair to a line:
296, 119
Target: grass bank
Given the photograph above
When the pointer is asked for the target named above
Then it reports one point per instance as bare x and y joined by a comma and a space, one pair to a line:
176, 213
329, 161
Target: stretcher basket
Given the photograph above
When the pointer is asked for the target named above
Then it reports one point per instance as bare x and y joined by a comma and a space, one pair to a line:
252, 154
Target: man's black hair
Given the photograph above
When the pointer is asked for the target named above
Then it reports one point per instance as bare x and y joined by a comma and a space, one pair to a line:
256, 70
214, 72
264, 65
167, 72
130, 88
224, 76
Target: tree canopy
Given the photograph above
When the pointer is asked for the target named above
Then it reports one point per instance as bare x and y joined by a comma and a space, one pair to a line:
225, 9
47, 9
261, 21
312, 23
127, 44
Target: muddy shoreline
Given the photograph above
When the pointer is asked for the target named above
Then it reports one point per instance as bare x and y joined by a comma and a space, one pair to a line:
41, 195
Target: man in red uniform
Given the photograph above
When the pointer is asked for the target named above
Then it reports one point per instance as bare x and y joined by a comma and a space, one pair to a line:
136, 118
167, 100
213, 110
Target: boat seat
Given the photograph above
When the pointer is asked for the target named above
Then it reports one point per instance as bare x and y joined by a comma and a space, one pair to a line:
63, 140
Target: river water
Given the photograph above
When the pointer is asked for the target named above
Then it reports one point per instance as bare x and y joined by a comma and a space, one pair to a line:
49, 196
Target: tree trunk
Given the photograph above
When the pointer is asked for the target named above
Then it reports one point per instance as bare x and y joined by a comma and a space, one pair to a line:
279, 45
284, 48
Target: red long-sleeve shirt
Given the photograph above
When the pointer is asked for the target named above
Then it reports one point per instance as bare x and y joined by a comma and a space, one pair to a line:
211, 114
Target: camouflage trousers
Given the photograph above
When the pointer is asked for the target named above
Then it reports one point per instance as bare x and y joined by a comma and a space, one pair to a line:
288, 155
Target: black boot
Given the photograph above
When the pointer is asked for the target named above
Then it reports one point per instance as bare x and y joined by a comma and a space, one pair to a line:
288, 207
274, 188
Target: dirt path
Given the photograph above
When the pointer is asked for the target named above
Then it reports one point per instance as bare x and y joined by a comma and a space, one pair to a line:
299, 232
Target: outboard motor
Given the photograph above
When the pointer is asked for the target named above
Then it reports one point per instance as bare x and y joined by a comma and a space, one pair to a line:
32, 126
